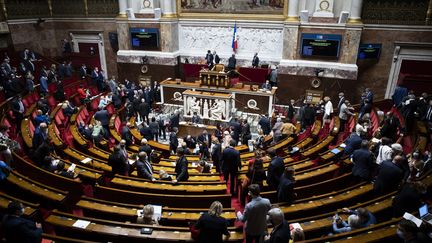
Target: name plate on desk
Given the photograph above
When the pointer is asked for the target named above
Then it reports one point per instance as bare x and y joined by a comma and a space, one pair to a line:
214, 79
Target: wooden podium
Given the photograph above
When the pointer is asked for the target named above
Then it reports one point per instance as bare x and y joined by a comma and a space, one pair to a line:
214, 79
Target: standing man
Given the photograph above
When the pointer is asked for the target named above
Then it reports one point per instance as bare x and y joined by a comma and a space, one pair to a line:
274, 77
363, 161
231, 164
216, 58
264, 122
341, 100
209, 59
232, 62
173, 141
18, 229
255, 215
344, 114
255, 60
181, 168
275, 169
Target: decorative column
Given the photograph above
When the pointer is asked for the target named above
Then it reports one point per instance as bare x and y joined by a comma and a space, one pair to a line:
122, 8
168, 8
355, 13
429, 14
293, 11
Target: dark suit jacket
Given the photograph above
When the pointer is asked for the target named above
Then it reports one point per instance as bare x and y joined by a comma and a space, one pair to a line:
275, 171
255, 61
102, 116
231, 160
363, 163
352, 143
389, 178
216, 59
118, 164
181, 169
145, 148
146, 133
127, 135
212, 228
39, 137
143, 170
280, 234
264, 122
144, 109
285, 190
17, 229
232, 63
173, 141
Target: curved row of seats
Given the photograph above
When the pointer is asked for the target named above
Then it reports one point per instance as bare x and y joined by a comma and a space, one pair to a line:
321, 188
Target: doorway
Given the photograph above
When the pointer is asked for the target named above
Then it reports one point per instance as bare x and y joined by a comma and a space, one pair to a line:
89, 50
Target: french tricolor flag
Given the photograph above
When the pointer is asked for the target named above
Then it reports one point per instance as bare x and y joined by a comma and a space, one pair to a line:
234, 40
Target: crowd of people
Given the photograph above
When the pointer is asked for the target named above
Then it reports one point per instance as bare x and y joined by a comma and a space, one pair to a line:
377, 156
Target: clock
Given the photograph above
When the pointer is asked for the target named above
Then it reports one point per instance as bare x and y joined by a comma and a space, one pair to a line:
146, 4
324, 5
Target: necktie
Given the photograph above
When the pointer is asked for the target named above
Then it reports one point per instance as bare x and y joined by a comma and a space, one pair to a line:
149, 167
429, 114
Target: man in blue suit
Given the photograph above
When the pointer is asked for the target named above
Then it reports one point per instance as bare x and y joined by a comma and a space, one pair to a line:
18, 229
363, 161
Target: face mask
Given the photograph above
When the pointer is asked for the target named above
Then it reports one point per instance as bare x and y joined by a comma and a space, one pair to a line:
400, 234
122, 146
22, 211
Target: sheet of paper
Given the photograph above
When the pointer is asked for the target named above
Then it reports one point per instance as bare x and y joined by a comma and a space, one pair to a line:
81, 224
86, 160
72, 167
342, 145
413, 218
157, 211
335, 151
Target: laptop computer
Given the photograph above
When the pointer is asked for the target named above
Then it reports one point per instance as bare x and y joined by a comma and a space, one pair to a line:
424, 214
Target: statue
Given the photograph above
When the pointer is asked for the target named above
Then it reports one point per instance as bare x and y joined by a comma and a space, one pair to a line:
218, 110
194, 106
206, 109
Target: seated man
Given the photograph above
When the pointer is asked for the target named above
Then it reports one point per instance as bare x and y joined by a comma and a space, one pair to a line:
266, 85
18, 229
196, 119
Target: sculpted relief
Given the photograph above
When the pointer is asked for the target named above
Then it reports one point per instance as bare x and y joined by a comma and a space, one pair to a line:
198, 39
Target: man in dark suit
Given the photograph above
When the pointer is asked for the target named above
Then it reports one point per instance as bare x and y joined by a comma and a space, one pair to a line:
389, 176
146, 132
232, 62
216, 154
209, 59
144, 110
40, 135
143, 167
103, 116
196, 119
266, 85
181, 168
255, 61
175, 120
236, 128
231, 164
126, 134
18, 229
118, 162
145, 147
281, 230
264, 122
363, 161
18, 110
173, 141
352, 143
216, 58
82, 71
275, 169
245, 131
390, 126
428, 113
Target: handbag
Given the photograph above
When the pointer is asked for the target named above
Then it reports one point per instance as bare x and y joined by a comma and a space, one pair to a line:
194, 232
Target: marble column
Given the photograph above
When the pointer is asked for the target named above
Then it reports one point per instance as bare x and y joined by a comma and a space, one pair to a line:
290, 41
168, 8
352, 37
293, 11
122, 8
355, 13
